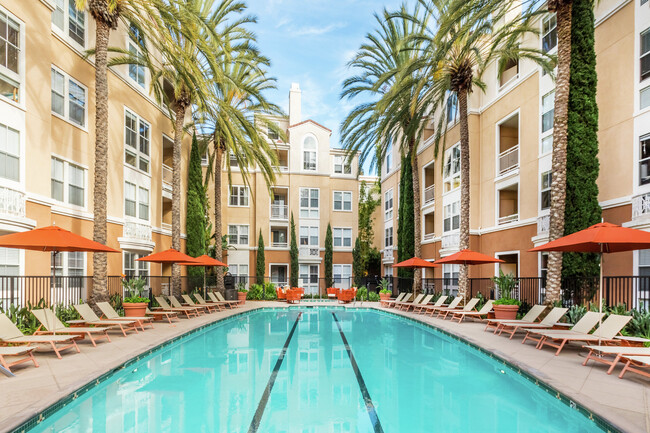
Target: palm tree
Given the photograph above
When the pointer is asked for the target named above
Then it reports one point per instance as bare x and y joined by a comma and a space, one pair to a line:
468, 38
394, 111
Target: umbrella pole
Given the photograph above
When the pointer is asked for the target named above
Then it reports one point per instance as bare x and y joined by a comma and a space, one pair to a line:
204, 282
600, 303
52, 284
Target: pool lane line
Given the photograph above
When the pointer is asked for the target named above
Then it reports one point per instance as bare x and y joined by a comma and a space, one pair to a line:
257, 418
372, 413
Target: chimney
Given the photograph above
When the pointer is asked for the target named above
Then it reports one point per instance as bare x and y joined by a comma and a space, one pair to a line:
294, 104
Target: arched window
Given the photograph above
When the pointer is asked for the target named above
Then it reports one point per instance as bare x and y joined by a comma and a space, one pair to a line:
309, 153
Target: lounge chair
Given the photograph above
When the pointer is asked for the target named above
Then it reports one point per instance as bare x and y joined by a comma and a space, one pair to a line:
400, 298
433, 309
605, 333
190, 302
176, 304
635, 364
219, 305
10, 334
162, 315
582, 326
530, 317
422, 307
511, 328
90, 318
460, 315
111, 314
423, 301
24, 351
445, 312
218, 297
599, 353
50, 324
164, 306
407, 305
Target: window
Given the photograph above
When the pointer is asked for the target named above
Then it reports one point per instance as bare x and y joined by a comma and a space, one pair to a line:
389, 156
238, 234
239, 196
644, 98
136, 43
143, 204
548, 110
547, 144
545, 198
549, 33
70, 20
450, 271
68, 98
451, 169
136, 141
645, 54
451, 219
9, 262
133, 268
341, 166
69, 264
388, 205
309, 148
273, 135
9, 57
342, 237
543, 266
452, 107
9, 153
644, 160
72, 191
309, 235
343, 200
136, 198
644, 263
342, 274
388, 237
240, 272
309, 278
309, 202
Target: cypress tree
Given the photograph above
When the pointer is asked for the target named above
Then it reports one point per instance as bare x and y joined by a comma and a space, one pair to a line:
357, 262
293, 253
582, 208
406, 224
195, 213
261, 262
329, 258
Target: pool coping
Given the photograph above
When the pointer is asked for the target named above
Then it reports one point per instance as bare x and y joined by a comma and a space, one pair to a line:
603, 422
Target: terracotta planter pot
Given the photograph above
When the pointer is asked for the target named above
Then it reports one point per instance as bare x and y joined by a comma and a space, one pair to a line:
505, 312
384, 296
136, 309
241, 296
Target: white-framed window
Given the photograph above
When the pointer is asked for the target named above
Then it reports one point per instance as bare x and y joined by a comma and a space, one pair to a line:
547, 144
388, 160
309, 202
135, 46
341, 166
644, 57
343, 200
143, 203
549, 33
644, 159
308, 235
10, 57
9, 261
644, 98
9, 153
238, 196
388, 237
137, 138
452, 107
342, 237
451, 219
68, 98
342, 274
543, 266
450, 271
308, 275
240, 272
69, 264
71, 21
388, 205
644, 263
545, 190
451, 169
309, 153
136, 201
68, 182
548, 111
133, 268
238, 234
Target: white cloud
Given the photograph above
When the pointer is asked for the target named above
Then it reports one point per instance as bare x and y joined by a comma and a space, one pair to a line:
317, 30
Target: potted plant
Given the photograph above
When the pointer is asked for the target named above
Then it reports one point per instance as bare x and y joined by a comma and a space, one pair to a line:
134, 304
505, 307
242, 292
385, 292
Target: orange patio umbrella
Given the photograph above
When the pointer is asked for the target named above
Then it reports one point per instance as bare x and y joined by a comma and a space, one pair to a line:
468, 257
415, 263
205, 261
170, 256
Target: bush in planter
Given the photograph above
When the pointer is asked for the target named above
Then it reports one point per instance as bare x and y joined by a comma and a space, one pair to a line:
133, 289
506, 284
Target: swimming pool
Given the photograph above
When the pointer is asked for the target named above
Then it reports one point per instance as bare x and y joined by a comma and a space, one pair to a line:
316, 370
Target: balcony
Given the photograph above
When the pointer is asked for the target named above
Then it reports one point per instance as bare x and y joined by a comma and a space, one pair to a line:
275, 244
167, 178
509, 160
543, 224
309, 252
429, 195
641, 206
508, 218
166, 226
429, 236
388, 254
279, 212
141, 232
450, 240
12, 203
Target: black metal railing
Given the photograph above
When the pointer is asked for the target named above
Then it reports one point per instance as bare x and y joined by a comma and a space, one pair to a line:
21, 290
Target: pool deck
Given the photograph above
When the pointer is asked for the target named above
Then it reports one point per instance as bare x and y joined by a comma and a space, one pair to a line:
625, 403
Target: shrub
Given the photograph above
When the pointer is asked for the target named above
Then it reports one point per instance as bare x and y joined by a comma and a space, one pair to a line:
362, 293
575, 313
269, 291
639, 325
255, 292
373, 296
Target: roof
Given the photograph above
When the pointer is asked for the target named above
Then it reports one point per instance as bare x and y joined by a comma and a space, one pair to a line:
309, 121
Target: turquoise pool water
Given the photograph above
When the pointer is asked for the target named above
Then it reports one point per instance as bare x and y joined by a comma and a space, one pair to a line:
289, 371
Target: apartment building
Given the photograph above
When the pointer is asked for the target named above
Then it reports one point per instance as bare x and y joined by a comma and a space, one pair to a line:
511, 128
47, 137
315, 184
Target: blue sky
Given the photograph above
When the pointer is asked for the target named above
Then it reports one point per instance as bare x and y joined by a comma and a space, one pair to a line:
310, 42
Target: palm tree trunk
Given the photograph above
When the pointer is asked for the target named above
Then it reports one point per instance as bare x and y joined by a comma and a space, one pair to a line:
218, 156
100, 289
176, 193
463, 280
417, 219
560, 121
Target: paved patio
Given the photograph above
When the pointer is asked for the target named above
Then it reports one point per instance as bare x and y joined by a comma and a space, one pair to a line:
623, 402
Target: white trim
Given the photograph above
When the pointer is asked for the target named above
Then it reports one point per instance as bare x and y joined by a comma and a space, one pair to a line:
138, 154
66, 99
342, 201
302, 153
504, 253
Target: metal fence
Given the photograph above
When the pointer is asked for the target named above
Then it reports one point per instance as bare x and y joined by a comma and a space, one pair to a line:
21, 290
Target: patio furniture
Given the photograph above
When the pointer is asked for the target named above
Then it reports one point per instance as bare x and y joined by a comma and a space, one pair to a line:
583, 326
10, 334
176, 304
52, 325
423, 306
333, 292
164, 306
460, 315
529, 318
293, 296
162, 315
346, 296
423, 301
219, 305
189, 301
406, 305
511, 328
280, 293
400, 298
220, 298
90, 318
433, 309
444, 312
598, 354
24, 351
108, 311
635, 364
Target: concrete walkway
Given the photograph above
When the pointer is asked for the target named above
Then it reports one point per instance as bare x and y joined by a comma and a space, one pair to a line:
625, 403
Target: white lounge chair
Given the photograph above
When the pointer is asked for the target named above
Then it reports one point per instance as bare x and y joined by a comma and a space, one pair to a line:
460, 315
402, 297
445, 312
433, 309
599, 354
164, 306
109, 312
635, 364
406, 305
90, 318
582, 326
530, 317
50, 324
423, 305
511, 328
10, 334
24, 351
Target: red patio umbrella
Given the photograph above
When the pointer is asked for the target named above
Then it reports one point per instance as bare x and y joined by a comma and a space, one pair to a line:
468, 257
205, 261
170, 256
415, 263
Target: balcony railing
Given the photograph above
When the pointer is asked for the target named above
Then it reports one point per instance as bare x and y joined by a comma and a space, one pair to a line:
429, 236
450, 240
166, 226
509, 160
388, 252
137, 231
168, 175
640, 205
12, 202
429, 194
282, 168
508, 218
279, 211
309, 252
543, 224
279, 244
